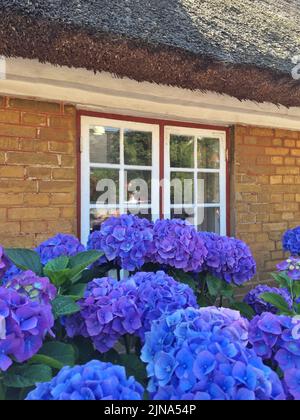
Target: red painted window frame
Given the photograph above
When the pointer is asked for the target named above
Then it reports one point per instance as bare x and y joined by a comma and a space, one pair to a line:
162, 124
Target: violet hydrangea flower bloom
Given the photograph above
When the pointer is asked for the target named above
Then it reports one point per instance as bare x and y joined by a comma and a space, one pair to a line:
58, 246
36, 288
203, 355
108, 312
158, 293
276, 339
177, 244
3, 262
92, 382
126, 239
291, 241
26, 325
228, 258
292, 267
253, 299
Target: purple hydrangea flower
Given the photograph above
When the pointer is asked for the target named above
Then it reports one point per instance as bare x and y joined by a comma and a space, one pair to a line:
253, 299
3, 262
158, 293
108, 312
291, 241
58, 246
177, 244
276, 338
24, 325
292, 267
126, 239
35, 288
11, 273
203, 355
92, 382
228, 258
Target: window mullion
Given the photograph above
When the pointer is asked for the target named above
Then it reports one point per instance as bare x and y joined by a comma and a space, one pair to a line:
195, 181
122, 174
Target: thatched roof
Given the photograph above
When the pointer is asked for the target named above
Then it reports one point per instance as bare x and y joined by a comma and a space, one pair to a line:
243, 48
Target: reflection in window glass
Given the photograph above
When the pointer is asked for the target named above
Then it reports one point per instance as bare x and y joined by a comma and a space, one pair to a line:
182, 151
208, 188
98, 216
104, 186
138, 187
182, 187
209, 219
104, 145
208, 153
138, 148
187, 214
143, 213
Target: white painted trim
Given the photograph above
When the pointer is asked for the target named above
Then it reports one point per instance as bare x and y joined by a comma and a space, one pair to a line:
222, 171
86, 122
106, 93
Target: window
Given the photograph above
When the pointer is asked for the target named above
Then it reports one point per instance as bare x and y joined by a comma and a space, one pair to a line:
120, 173
195, 174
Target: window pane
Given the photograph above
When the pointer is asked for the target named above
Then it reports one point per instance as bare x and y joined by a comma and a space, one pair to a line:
104, 145
138, 187
209, 219
140, 212
138, 148
182, 151
104, 186
98, 216
182, 187
208, 153
208, 188
187, 214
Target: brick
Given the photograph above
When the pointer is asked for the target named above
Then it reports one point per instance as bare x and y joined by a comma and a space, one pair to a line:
276, 179
28, 158
70, 109
33, 227
288, 170
57, 186
62, 198
277, 160
61, 225
37, 199
34, 119
35, 106
33, 213
277, 151
38, 173
276, 198
10, 117
10, 199
277, 142
264, 132
286, 207
9, 143
62, 122
69, 212
60, 147
290, 161
16, 186
9, 228
63, 174
289, 143
289, 179
17, 131
269, 227
286, 133
54, 134
295, 152
11, 172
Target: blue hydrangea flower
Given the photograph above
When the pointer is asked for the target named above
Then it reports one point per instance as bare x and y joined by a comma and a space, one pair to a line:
177, 244
291, 241
292, 267
3, 262
35, 288
126, 239
58, 246
228, 258
24, 325
275, 338
253, 299
203, 355
10, 273
92, 382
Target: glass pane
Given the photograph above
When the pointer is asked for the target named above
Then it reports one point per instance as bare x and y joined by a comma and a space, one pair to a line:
104, 186
98, 216
104, 145
182, 187
138, 148
208, 188
208, 153
187, 214
209, 219
138, 187
182, 151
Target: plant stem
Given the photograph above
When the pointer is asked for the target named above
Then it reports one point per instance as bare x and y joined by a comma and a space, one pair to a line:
127, 345
2, 391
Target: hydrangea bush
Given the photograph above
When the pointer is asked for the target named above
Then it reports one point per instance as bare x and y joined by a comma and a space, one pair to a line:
58, 308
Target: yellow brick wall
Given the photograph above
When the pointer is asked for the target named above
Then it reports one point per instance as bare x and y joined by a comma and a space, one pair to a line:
38, 175
266, 191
